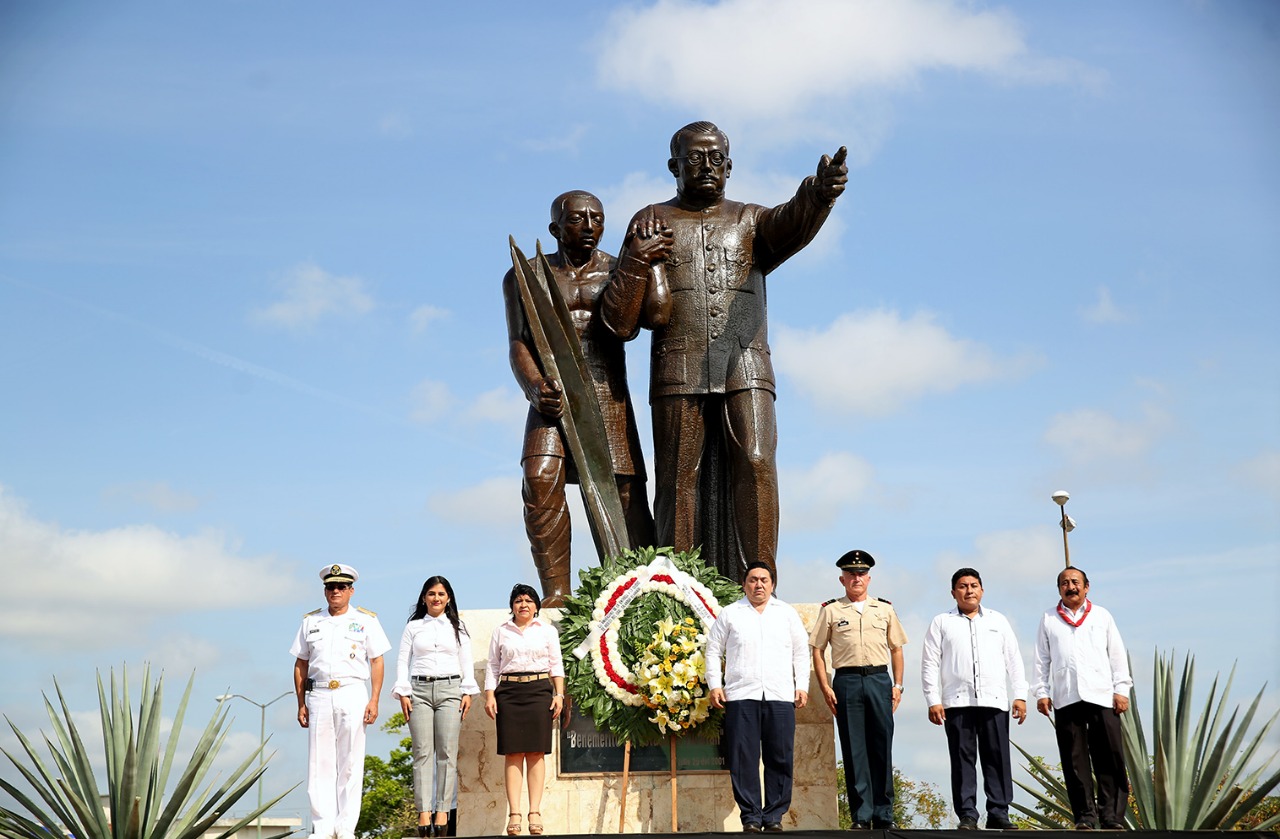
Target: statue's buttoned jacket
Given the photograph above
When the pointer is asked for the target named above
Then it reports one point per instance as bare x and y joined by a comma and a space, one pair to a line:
715, 335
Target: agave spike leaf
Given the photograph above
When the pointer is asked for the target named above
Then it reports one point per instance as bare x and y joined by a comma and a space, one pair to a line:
1247, 751
149, 719
1211, 777
1269, 824
133, 825
1207, 758
227, 796
1055, 793
43, 784
1230, 801
85, 810
125, 800
61, 814
179, 716
1200, 772
135, 770
73, 758
1183, 756
192, 775
226, 793
1035, 816
12, 824
1257, 789
1050, 803
1136, 753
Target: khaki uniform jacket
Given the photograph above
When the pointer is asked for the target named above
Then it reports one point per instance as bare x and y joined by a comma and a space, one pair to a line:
858, 639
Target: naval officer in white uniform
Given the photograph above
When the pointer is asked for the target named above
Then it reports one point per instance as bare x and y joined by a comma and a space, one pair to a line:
337, 675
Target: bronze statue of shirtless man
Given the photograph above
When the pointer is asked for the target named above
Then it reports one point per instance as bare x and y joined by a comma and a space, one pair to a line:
582, 273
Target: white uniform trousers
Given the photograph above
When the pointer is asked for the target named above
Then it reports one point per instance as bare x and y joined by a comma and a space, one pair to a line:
335, 768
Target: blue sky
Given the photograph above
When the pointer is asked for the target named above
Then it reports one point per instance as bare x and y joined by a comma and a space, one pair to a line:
250, 313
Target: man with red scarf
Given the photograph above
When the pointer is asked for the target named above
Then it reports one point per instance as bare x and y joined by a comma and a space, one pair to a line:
1082, 675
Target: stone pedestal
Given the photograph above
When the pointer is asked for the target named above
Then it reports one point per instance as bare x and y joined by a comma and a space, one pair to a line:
591, 803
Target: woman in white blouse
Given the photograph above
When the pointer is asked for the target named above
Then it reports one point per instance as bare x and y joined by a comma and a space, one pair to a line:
435, 680
524, 692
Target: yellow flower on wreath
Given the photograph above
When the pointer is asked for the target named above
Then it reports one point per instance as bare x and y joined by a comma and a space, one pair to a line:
673, 675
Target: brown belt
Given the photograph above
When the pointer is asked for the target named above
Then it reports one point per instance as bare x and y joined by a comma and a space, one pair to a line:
532, 677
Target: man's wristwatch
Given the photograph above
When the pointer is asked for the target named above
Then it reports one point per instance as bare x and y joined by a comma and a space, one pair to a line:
898, 686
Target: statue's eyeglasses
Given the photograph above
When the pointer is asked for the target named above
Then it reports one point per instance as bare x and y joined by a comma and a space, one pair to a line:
696, 158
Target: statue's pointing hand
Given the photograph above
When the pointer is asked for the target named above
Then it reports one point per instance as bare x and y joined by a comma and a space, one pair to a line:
833, 174
550, 399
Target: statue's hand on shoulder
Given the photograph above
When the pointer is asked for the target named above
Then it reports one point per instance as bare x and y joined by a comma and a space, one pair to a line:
549, 399
833, 174
649, 240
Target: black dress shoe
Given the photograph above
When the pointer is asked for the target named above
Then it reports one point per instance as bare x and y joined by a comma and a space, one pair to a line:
1000, 824
882, 824
424, 830
860, 826
773, 827
1086, 826
751, 828
1113, 826
968, 823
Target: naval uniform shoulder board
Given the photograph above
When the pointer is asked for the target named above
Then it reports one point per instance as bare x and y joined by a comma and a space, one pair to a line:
314, 612
366, 611
829, 602
882, 600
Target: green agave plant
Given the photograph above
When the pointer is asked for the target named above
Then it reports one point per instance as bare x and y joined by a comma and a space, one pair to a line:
1197, 778
138, 770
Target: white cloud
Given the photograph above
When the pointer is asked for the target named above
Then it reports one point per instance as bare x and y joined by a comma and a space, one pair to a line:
157, 495
396, 126
1088, 435
425, 315
432, 401
1017, 558
502, 405
871, 363
638, 189
1104, 309
772, 61
567, 142
309, 294
1262, 472
492, 503
137, 572
814, 498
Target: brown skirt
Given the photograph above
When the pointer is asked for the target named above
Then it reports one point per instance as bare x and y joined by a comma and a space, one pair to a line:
524, 716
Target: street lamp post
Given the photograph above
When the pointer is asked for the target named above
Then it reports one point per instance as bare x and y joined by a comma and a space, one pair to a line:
262, 739
1068, 524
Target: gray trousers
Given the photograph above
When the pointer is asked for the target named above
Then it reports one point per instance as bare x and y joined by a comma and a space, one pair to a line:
434, 722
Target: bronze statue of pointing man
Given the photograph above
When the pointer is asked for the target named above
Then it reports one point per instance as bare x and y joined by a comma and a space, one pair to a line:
693, 271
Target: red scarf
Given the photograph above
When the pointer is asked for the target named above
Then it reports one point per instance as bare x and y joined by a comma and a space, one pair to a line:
1066, 616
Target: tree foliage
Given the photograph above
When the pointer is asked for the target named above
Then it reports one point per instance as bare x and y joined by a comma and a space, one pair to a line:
915, 803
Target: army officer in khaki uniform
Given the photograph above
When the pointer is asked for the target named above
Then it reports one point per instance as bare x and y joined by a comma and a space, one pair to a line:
866, 643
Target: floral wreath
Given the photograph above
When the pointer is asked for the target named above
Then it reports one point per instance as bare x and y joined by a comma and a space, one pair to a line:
633, 636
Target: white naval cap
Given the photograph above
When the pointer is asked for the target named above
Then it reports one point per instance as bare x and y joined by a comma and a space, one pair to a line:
339, 574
